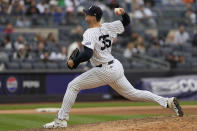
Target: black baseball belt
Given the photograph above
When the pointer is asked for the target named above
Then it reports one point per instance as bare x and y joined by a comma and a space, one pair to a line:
109, 63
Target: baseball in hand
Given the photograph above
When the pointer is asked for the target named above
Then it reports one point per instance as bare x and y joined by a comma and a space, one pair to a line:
119, 11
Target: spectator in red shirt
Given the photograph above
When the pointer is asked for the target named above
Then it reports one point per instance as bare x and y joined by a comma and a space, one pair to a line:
188, 1
9, 29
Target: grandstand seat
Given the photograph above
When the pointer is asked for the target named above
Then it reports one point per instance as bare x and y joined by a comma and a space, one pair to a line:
39, 65
62, 64
154, 52
13, 65
183, 66
25, 65
51, 65
14, 36
138, 66
4, 57
154, 66
2, 36
194, 51
166, 51
29, 37
194, 64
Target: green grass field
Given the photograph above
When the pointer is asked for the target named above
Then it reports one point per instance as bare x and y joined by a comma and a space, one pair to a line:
23, 121
87, 104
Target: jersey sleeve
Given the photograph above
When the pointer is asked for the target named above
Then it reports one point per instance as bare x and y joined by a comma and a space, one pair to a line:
117, 27
88, 39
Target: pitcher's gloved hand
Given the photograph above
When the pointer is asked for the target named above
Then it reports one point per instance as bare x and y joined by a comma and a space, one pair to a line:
71, 65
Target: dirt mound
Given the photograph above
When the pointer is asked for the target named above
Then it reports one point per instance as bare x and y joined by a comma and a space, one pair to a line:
186, 123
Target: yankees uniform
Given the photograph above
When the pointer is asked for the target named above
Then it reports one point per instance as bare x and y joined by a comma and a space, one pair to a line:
106, 70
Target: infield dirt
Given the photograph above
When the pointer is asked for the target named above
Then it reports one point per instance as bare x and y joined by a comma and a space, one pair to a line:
186, 123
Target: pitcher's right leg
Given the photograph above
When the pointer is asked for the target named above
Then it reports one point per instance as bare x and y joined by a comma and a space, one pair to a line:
123, 87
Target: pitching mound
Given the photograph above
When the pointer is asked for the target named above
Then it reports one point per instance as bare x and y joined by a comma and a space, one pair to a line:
186, 123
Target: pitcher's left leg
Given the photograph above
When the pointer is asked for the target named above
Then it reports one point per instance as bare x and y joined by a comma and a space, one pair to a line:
86, 80
123, 87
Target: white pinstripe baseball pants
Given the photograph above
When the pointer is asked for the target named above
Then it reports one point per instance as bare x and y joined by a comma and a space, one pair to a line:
112, 75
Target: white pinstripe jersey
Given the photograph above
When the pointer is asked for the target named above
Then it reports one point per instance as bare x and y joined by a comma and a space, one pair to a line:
100, 40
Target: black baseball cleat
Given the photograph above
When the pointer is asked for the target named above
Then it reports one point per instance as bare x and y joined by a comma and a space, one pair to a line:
175, 106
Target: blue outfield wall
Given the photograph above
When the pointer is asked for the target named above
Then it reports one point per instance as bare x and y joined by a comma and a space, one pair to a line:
183, 87
35, 84
165, 83
57, 84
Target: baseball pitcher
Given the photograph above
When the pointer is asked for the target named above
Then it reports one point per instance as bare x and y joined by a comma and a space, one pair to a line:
107, 70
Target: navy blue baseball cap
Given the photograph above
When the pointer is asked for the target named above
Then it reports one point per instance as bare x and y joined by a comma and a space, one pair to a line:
94, 11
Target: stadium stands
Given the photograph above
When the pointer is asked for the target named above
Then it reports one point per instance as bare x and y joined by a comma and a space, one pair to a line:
37, 50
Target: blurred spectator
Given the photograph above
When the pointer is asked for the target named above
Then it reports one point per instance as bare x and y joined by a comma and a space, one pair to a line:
113, 4
128, 6
58, 16
51, 38
63, 54
2, 66
22, 54
191, 17
39, 38
3, 55
59, 55
130, 50
41, 6
27, 2
181, 36
17, 8
77, 33
4, 8
155, 43
135, 4
45, 56
188, 1
140, 46
40, 48
61, 3
139, 40
134, 36
52, 6
28, 48
80, 11
194, 40
51, 43
73, 46
70, 8
32, 10
145, 16
9, 29
174, 60
20, 41
170, 39
46, 12
149, 3
141, 49
22, 22
6, 44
